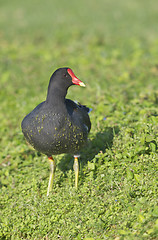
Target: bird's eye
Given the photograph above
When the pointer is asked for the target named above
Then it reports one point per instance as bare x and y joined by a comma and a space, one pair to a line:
65, 75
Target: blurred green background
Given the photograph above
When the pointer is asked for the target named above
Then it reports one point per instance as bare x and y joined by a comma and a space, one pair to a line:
112, 46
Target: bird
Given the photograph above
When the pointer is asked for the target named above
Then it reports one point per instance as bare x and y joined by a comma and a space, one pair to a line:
58, 125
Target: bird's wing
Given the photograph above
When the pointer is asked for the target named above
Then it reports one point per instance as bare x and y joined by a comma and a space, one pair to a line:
79, 113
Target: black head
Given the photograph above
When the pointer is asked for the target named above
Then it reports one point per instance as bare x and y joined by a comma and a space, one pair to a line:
65, 78
61, 80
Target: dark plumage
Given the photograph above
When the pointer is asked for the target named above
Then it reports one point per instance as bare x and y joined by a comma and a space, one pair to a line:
58, 125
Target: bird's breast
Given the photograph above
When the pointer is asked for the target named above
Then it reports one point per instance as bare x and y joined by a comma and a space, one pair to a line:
53, 133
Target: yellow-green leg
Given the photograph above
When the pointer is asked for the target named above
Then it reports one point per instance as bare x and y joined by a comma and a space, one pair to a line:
76, 169
52, 173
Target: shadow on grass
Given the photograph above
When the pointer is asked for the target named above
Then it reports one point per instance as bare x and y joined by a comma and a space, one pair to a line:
99, 143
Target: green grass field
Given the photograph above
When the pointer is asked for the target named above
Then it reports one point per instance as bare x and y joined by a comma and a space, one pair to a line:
112, 46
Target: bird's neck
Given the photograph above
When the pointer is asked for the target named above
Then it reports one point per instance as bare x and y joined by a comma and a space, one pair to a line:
56, 96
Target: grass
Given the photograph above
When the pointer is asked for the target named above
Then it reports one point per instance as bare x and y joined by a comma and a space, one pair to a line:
112, 46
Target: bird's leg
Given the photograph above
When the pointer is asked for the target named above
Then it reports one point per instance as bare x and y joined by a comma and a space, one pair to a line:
52, 173
76, 169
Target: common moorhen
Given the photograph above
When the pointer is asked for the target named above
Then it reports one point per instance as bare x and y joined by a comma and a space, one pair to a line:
58, 125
